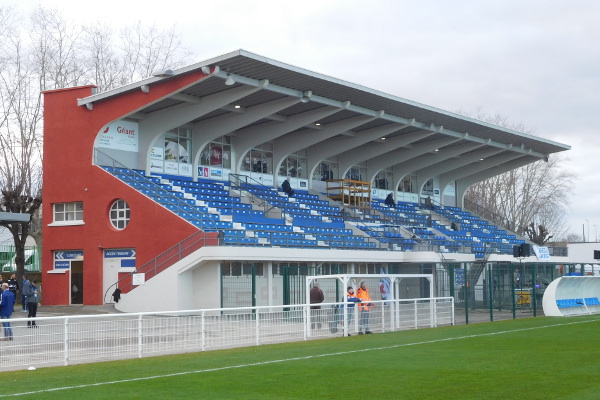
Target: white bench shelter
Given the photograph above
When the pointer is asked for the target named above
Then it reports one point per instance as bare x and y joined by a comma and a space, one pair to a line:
572, 295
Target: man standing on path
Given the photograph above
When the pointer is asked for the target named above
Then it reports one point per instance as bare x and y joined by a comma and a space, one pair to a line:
13, 285
23, 297
30, 290
7, 302
316, 296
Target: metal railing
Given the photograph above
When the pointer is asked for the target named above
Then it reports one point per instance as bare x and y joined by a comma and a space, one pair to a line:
242, 186
165, 260
80, 339
32, 259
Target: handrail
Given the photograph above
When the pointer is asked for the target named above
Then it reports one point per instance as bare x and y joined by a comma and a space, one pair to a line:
239, 182
164, 260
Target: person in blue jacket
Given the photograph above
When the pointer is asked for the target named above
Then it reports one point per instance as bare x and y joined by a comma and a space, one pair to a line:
287, 188
7, 302
351, 300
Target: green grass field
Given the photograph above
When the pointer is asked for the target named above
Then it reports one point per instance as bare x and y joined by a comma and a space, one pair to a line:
536, 358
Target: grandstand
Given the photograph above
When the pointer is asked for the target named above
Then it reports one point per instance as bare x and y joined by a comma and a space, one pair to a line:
173, 185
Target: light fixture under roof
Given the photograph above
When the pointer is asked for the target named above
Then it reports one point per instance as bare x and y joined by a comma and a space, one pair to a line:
237, 106
229, 81
317, 123
306, 96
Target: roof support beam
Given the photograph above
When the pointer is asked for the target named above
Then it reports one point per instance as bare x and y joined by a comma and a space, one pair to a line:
373, 150
163, 121
470, 161
172, 117
406, 156
246, 139
409, 165
488, 163
307, 137
334, 146
228, 123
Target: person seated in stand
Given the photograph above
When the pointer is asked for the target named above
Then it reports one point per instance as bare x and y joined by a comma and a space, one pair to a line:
389, 201
287, 188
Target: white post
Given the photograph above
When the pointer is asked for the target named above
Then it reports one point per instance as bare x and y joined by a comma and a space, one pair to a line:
66, 342
203, 326
257, 325
416, 314
140, 337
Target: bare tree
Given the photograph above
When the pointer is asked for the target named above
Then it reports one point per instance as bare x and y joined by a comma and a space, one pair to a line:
149, 49
531, 200
48, 52
20, 147
103, 62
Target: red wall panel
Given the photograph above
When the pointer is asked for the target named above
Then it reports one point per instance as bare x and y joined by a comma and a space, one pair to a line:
69, 176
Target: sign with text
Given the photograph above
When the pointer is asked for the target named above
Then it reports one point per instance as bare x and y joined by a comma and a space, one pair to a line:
62, 264
541, 252
124, 258
68, 255
138, 279
63, 258
119, 135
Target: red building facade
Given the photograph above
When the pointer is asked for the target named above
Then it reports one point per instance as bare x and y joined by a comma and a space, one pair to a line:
74, 251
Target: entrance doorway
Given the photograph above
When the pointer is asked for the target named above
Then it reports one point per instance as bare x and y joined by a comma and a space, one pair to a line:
76, 282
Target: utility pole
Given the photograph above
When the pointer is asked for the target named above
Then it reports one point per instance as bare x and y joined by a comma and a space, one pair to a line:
587, 221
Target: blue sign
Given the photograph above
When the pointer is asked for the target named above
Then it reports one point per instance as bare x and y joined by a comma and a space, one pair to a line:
128, 263
459, 276
68, 255
119, 253
62, 264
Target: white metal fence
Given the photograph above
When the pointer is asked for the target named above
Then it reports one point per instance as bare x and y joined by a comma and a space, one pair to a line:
78, 339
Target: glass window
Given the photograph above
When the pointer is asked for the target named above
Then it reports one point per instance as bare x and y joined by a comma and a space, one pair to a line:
68, 212
236, 268
294, 165
259, 160
327, 170
178, 144
119, 214
383, 180
428, 188
357, 172
217, 153
407, 184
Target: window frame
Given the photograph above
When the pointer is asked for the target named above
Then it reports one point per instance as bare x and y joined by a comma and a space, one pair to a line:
115, 222
68, 209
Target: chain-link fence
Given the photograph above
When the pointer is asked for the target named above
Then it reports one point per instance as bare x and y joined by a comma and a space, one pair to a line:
485, 291
495, 291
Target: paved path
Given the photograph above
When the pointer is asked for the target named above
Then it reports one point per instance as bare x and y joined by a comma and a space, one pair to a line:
54, 311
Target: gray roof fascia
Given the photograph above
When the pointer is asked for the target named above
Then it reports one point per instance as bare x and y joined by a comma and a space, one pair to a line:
327, 101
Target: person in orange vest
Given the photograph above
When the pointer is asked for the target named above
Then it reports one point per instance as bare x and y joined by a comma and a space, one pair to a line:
365, 308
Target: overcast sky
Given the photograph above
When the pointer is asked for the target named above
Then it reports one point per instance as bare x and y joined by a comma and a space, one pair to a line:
536, 62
